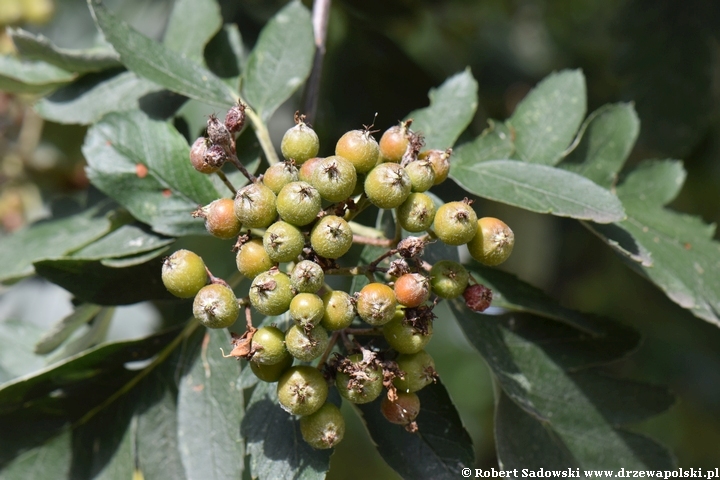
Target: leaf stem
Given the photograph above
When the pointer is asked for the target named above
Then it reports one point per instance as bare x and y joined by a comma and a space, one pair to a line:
263, 136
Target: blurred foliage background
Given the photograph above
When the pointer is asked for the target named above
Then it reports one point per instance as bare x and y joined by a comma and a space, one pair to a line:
383, 56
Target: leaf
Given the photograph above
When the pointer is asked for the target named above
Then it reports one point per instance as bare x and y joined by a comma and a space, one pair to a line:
191, 25
159, 64
538, 188
675, 251
170, 190
132, 260
225, 55
451, 109
274, 442
546, 120
125, 241
280, 61
209, 410
580, 410
38, 47
440, 449
16, 354
609, 136
39, 78
90, 98
48, 239
495, 143
66, 326
91, 281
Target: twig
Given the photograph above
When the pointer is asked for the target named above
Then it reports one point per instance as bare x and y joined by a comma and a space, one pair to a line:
320, 17
376, 242
234, 160
326, 354
363, 331
226, 181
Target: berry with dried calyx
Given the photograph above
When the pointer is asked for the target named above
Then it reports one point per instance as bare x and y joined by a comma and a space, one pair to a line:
218, 133
331, 237
456, 223
235, 118
376, 304
300, 143
268, 346
477, 297
197, 156
306, 309
403, 410
419, 371
283, 242
359, 380
339, 310
493, 243
448, 279
360, 148
307, 169
306, 346
416, 214
255, 206
279, 175
252, 258
440, 161
394, 142
323, 429
220, 219
184, 274
302, 390
404, 337
271, 293
387, 185
216, 306
422, 175
298, 203
307, 277
412, 290
335, 178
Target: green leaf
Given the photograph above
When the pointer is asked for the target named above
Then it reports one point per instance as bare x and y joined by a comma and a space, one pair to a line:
171, 189
52, 460
538, 188
132, 260
191, 25
546, 120
451, 109
63, 328
38, 47
495, 143
48, 239
39, 78
210, 407
654, 182
225, 55
125, 241
609, 136
91, 281
158, 63
440, 449
281, 60
90, 98
16, 354
274, 442
581, 410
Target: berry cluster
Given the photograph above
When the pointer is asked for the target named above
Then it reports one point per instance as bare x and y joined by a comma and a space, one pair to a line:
298, 223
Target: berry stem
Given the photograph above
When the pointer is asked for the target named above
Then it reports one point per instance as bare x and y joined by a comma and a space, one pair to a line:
214, 279
360, 205
226, 181
376, 242
326, 353
363, 331
233, 158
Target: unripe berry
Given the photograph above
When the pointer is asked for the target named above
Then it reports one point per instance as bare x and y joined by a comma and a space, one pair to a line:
279, 175
323, 429
404, 338
358, 381
493, 243
252, 259
184, 274
419, 371
412, 290
440, 161
271, 293
422, 175
298, 203
197, 156
300, 143
394, 142
268, 346
335, 178
456, 223
220, 219
306, 346
283, 242
376, 304
307, 309
448, 279
307, 169
360, 148
331, 237
403, 410
215, 306
255, 206
271, 373
416, 214
339, 310
387, 185
307, 277
302, 390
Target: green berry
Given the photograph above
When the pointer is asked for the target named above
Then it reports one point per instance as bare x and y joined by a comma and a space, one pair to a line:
283, 242
419, 369
300, 143
358, 381
255, 206
387, 185
252, 259
422, 175
339, 310
335, 178
416, 214
302, 390
306, 346
331, 237
307, 277
455, 223
448, 279
360, 148
279, 175
307, 309
323, 429
268, 346
376, 303
493, 243
271, 373
404, 338
216, 306
184, 274
271, 293
307, 169
299, 203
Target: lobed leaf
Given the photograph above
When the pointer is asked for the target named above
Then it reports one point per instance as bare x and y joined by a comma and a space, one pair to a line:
158, 63
281, 60
452, 107
546, 120
38, 47
39, 78
538, 188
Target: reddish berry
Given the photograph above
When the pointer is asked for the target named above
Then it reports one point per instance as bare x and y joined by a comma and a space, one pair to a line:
477, 297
